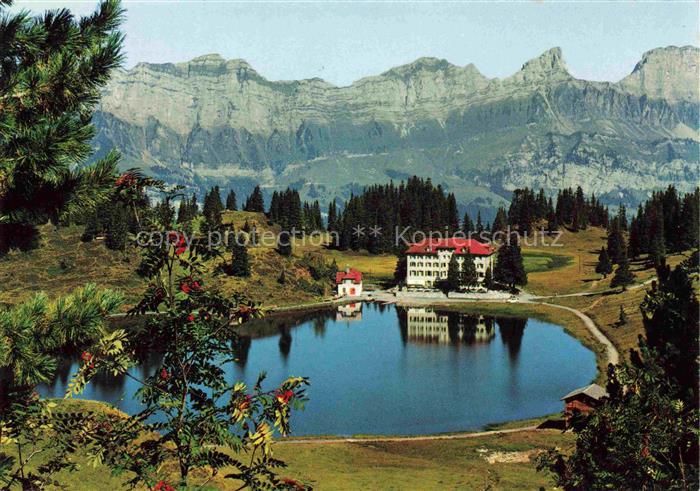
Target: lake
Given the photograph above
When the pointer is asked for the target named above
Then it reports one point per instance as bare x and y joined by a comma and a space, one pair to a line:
380, 369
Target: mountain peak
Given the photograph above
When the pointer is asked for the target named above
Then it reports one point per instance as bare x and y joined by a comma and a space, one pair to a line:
548, 66
549, 61
666, 73
208, 58
424, 63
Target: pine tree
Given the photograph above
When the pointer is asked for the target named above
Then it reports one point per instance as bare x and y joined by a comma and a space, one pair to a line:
688, 221
616, 242
401, 269
164, 214
509, 269
467, 225
500, 223
454, 276
488, 279
255, 202
622, 318
479, 225
193, 208
231, 201
117, 228
332, 217
183, 212
92, 228
240, 265
452, 215
623, 275
212, 208
53, 69
622, 217
657, 242
284, 244
470, 278
604, 265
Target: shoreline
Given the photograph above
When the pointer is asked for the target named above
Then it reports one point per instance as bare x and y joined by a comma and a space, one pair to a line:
612, 355
605, 352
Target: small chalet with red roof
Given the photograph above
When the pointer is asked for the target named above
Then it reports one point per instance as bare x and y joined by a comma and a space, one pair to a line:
349, 282
427, 261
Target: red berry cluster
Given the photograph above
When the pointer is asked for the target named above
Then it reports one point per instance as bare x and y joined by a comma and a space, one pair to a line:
163, 486
245, 403
189, 285
178, 240
88, 358
283, 397
293, 482
127, 180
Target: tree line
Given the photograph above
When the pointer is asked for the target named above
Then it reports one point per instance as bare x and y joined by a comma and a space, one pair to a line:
371, 219
665, 223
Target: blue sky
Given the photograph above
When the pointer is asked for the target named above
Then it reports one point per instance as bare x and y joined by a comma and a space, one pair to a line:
341, 41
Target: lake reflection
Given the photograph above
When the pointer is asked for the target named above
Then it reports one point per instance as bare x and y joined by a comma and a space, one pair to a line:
388, 370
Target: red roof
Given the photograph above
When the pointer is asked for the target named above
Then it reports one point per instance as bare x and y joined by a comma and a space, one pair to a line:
350, 274
458, 245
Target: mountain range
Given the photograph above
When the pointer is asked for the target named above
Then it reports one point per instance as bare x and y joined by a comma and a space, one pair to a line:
214, 121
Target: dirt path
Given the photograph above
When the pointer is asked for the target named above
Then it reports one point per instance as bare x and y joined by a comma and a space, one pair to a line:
611, 352
452, 436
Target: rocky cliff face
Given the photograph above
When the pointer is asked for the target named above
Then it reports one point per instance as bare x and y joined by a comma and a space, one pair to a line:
212, 121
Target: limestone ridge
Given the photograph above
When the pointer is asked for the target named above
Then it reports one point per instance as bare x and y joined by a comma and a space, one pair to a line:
211, 120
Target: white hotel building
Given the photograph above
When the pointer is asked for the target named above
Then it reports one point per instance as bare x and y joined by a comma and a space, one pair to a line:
427, 261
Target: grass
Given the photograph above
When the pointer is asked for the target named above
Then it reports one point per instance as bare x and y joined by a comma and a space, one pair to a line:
577, 272
434, 464
604, 308
538, 261
62, 263
427, 464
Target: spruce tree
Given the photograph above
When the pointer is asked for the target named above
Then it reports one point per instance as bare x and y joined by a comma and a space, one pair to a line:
622, 317
231, 201
604, 265
688, 221
470, 278
452, 218
284, 244
488, 279
117, 228
183, 212
467, 225
212, 208
623, 275
454, 276
509, 269
657, 241
164, 214
332, 217
53, 68
401, 269
500, 223
255, 202
92, 228
616, 242
479, 225
240, 265
193, 208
